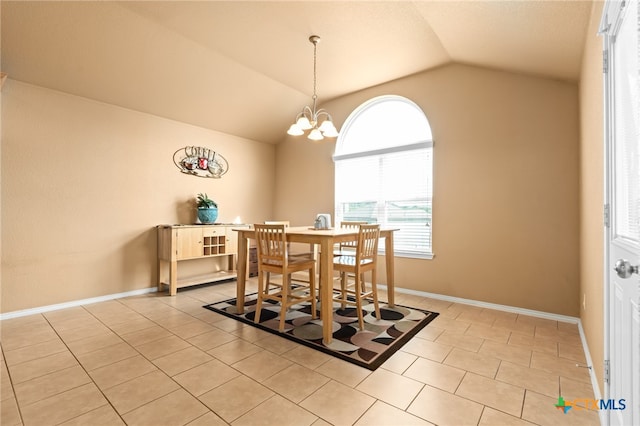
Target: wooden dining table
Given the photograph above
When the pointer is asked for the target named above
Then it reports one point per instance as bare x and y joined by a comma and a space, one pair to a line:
325, 239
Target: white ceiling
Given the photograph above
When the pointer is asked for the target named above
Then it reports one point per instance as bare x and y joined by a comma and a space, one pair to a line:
245, 68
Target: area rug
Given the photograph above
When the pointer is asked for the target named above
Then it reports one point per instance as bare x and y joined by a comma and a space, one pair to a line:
369, 348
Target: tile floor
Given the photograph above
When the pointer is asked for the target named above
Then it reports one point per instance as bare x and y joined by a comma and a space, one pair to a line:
160, 360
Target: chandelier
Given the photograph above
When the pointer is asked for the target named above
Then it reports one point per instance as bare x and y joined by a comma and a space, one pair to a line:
317, 120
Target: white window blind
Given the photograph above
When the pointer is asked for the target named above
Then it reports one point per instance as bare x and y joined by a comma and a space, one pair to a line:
393, 189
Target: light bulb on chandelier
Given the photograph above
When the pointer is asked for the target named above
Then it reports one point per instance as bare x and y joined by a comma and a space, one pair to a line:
319, 121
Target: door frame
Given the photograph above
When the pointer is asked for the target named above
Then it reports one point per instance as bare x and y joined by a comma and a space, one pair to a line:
609, 25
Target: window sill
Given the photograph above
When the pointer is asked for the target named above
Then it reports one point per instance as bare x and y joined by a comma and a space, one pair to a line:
426, 256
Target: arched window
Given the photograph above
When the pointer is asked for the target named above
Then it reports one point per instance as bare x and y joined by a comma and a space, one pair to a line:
384, 171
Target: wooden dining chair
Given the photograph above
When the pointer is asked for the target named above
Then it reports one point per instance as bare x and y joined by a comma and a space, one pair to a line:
354, 267
309, 254
347, 248
273, 257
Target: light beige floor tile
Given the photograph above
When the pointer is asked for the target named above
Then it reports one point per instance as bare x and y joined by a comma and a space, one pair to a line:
139, 391
529, 378
495, 394
430, 333
307, 357
93, 343
338, 404
535, 344
321, 422
182, 360
491, 417
557, 335
121, 371
540, 409
512, 325
399, 362
192, 329
9, 413
483, 317
568, 327
427, 349
64, 406
484, 365
175, 408
273, 343
208, 419
230, 325
41, 366
391, 388
94, 329
488, 333
296, 382
560, 366
51, 384
575, 390
505, 352
538, 322
435, 374
105, 415
146, 335
343, 372
36, 351
162, 347
234, 351
253, 335
25, 336
444, 323
205, 377
459, 340
6, 387
212, 339
381, 414
136, 324
236, 397
22, 323
262, 365
276, 411
105, 356
572, 351
443, 408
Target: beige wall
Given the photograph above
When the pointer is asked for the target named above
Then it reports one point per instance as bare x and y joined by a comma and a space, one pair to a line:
591, 195
85, 183
506, 187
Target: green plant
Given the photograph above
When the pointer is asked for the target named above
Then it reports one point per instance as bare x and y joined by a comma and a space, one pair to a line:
204, 202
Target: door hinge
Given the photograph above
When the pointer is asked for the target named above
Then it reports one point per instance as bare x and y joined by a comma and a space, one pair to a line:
607, 215
607, 370
605, 61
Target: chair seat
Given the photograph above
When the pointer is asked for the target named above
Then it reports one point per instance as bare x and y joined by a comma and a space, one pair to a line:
349, 261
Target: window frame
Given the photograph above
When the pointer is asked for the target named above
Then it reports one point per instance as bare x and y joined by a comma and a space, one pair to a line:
426, 143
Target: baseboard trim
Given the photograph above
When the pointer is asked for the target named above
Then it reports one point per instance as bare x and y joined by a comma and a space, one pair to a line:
74, 303
497, 307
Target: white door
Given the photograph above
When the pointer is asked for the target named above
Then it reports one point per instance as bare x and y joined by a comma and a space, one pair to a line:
622, 105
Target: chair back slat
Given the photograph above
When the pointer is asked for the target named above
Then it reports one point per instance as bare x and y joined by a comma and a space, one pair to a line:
345, 224
367, 248
271, 244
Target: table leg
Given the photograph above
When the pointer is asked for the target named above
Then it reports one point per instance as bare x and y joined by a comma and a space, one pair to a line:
242, 272
326, 289
389, 258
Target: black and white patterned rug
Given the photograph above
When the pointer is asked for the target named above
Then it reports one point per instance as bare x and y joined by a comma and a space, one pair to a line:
368, 348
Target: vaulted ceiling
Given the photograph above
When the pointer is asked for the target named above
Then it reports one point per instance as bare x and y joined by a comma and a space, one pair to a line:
246, 68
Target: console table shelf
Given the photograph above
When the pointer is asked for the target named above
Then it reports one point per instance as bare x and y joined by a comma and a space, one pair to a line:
177, 243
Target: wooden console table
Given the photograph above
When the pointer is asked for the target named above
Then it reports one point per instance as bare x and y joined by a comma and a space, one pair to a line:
178, 243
